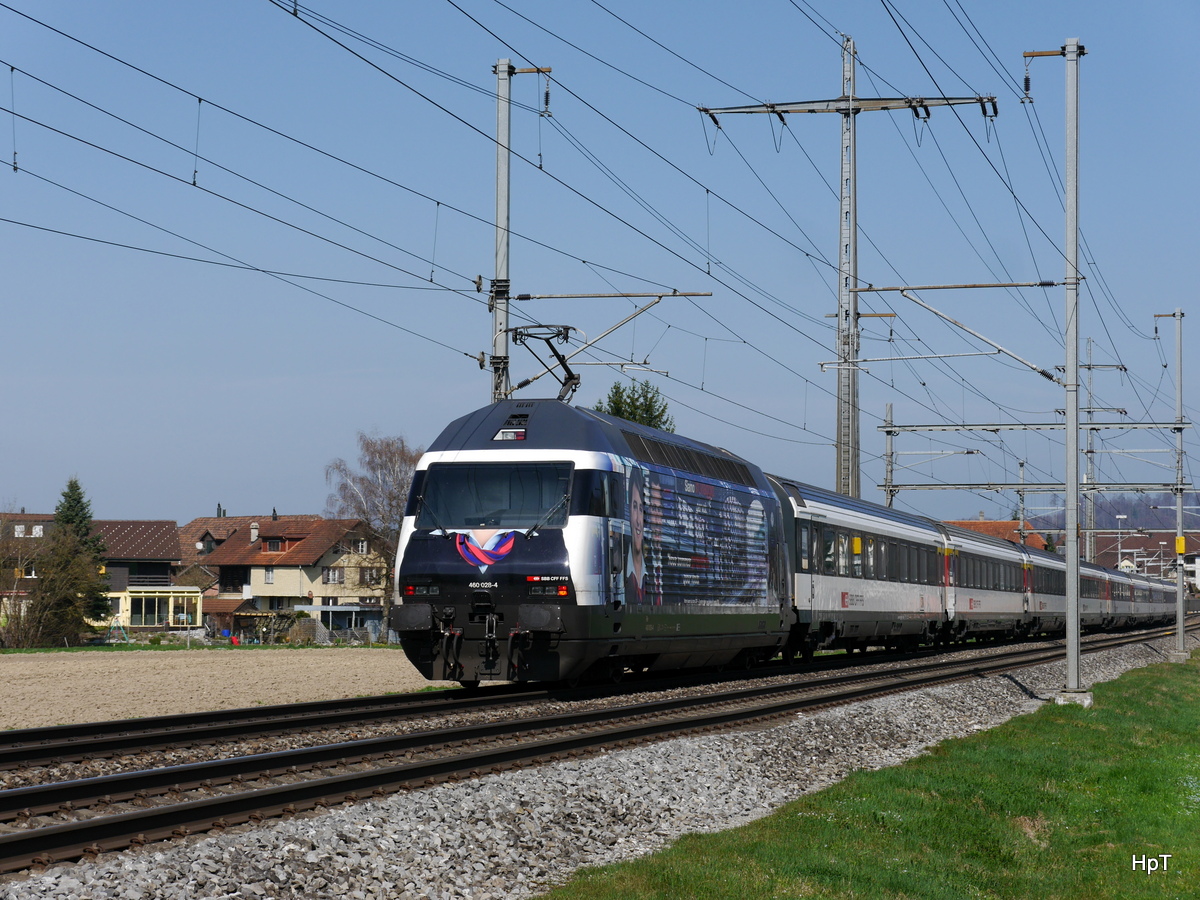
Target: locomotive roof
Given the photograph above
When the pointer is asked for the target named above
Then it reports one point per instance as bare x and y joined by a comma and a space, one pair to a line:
555, 425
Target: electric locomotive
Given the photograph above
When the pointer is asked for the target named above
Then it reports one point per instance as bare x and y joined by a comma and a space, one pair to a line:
545, 542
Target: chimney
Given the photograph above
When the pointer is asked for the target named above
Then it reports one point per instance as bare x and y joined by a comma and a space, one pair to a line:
253, 532
981, 517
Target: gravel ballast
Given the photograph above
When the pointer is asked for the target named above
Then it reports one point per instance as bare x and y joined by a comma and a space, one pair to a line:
515, 834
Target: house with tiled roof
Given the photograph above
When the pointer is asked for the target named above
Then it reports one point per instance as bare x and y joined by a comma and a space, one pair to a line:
329, 568
200, 537
140, 557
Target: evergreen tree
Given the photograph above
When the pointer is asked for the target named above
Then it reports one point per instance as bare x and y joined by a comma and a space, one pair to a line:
70, 588
74, 512
641, 402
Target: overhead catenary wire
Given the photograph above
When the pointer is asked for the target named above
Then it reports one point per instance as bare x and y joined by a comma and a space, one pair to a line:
709, 250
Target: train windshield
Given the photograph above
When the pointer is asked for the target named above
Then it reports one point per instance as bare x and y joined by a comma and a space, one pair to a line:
495, 495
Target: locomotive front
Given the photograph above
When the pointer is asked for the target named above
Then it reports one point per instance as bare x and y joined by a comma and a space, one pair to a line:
500, 556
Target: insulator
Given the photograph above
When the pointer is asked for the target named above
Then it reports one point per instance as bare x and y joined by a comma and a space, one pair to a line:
1026, 82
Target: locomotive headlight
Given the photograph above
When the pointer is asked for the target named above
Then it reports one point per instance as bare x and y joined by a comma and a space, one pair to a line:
549, 590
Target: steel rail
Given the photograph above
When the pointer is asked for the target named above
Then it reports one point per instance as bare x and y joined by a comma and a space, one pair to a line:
49, 844
36, 746
67, 743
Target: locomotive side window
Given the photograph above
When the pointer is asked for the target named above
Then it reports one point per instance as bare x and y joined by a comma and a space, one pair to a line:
596, 493
414, 493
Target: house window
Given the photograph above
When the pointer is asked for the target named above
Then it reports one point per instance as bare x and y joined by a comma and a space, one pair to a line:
18, 531
37, 531
333, 575
148, 610
269, 575
329, 601
273, 546
361, 547
371, 575
29, 571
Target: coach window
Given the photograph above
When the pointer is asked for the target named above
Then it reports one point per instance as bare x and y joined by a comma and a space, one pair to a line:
856, 555
869, 557
843, 553
881, 561
802, 546
902, 562
893, 561
829, 541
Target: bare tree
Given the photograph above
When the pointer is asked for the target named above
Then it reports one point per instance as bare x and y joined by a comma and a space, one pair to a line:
18, 557
378, 491
52, 583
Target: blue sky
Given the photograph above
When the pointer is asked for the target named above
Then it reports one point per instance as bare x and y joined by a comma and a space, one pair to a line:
169, 372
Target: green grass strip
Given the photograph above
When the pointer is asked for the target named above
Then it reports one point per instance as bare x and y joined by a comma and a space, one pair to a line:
1055, 804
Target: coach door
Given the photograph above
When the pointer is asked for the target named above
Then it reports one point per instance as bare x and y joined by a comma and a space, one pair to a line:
949, 575
806, 556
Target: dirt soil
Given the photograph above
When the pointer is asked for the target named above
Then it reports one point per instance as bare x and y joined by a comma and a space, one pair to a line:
38, 689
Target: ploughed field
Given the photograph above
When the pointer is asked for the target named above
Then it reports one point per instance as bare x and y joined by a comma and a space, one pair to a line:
59, 688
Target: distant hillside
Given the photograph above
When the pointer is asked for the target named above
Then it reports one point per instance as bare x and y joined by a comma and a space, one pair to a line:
1152, 512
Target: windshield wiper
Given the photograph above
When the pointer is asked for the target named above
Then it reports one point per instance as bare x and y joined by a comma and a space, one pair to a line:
428, 507
550, 512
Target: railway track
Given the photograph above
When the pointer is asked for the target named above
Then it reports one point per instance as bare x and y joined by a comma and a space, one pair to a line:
254, 788
55, 745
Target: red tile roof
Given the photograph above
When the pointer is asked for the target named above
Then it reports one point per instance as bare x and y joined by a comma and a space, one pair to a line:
221, 527
1006, 530
315, 537
225, 605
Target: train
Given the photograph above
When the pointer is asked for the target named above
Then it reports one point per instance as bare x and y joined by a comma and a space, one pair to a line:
548, 542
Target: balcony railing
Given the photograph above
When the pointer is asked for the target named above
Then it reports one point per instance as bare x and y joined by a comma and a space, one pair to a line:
149, 580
